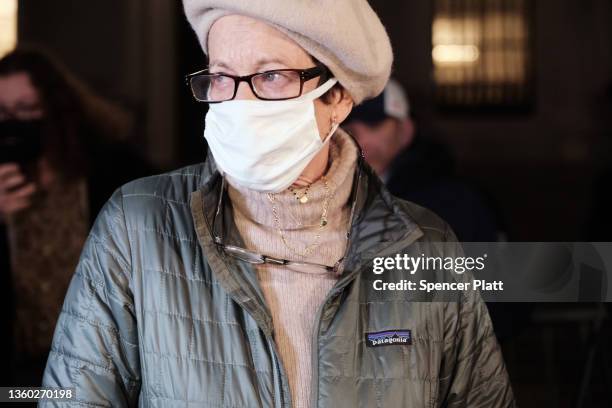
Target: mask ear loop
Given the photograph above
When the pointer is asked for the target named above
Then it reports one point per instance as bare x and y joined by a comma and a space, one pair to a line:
334, 126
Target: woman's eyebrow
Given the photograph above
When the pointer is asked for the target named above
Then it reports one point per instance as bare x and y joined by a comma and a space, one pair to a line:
269, 61
219, 64
257, 66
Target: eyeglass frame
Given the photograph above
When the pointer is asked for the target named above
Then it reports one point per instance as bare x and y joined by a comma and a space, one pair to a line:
267, 259
305, 75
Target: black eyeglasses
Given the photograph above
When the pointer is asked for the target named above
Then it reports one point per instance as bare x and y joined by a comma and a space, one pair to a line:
274, 85
251, 257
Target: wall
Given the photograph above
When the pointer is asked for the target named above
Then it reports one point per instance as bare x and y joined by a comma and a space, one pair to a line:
538, 166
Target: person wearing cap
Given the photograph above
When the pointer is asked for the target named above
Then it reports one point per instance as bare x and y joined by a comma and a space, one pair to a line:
247, 280
417, 168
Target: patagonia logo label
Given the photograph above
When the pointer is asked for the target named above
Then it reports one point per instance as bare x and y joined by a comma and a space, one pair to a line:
389, 338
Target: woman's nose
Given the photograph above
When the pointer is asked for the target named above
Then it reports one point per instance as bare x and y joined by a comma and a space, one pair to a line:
244, 91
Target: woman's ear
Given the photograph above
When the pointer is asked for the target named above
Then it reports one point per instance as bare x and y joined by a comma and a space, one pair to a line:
343, 104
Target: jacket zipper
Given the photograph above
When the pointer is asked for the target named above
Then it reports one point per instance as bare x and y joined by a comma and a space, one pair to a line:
315, 338
281, 372
315, 335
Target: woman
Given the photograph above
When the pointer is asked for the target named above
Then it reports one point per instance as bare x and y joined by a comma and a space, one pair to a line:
246, 281
53, 135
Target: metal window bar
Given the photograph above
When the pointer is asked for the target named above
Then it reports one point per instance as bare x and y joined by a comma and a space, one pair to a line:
481, 52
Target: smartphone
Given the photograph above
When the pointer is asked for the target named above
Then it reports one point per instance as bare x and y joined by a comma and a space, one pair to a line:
21, 143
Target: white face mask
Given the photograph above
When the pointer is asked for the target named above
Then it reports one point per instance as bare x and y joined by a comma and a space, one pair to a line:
265, 145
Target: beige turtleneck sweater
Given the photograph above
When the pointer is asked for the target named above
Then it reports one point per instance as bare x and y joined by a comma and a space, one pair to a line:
295, 295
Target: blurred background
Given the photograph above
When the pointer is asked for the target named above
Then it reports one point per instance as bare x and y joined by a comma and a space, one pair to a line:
518, 91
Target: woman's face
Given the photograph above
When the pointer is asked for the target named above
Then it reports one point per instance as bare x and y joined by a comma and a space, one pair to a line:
18, 98
239, 45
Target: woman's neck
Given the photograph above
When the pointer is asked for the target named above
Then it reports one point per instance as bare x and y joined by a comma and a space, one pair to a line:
317, 167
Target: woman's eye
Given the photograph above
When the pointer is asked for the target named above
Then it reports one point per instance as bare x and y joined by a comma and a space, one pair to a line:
274, 77
283, 84
221, 81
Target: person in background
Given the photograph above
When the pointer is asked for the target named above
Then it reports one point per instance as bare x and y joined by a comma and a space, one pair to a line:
416, 168
56, 142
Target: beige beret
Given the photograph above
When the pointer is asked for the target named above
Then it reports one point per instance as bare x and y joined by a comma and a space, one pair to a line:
345, 35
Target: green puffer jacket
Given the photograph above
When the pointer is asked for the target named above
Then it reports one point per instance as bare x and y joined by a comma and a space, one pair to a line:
157, 316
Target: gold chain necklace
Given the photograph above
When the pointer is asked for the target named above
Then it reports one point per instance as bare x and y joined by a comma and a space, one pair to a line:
322, 223
304, 198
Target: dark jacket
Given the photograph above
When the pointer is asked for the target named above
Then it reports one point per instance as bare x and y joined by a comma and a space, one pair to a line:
157, 316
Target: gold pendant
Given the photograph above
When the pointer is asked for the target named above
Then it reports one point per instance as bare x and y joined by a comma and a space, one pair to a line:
303, 199
323, 221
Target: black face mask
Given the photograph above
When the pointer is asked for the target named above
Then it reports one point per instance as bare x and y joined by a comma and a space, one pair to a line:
20, 141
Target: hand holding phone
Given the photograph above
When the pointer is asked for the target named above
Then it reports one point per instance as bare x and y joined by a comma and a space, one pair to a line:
15, 191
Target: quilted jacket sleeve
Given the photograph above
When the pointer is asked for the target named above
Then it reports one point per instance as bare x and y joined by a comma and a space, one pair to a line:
95, 344
476, 375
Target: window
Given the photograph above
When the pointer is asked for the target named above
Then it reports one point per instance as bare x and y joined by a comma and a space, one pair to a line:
481, 51
8, 26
